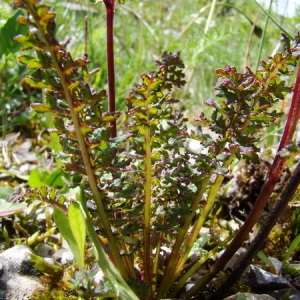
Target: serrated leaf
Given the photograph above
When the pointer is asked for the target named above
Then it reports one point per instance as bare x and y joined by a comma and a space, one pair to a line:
40, 108
263, 117
31, 62
36, 83
108, 117
30, 41
45, 59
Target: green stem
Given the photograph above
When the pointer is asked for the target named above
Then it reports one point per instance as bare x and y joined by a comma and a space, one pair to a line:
112, 274
168, 277
157, 254
178, 256
199, 223
262, 40
210, 15
192, 270
203, 216
147, 207
156, 262
273, 20
82, 145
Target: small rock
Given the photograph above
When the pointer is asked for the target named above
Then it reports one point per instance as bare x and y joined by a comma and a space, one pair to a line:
1, 269
288, 293
45, 251
249, 296
49, 260
277, 265
236, 258
17, 281
63, 256
13, 258
261, 280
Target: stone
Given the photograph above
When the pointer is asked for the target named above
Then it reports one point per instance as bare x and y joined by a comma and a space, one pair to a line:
45, 251
249, 296
63, 256
277, 265
261, 280
17, 274
236, 258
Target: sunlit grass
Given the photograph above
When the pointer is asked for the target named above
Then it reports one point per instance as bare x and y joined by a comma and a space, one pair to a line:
209, 34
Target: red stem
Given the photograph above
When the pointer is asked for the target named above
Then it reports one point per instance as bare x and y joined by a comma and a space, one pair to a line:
110, 10
267, 189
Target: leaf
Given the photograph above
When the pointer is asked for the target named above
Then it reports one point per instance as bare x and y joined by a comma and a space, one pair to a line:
8, 32
78, 228
294, 245
109, 269
64, 227
31, 62
41, 265
37, 178
36, 83
55, 178
10, 208
5, 192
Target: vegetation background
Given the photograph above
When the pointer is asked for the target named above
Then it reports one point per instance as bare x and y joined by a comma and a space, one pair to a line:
210, 34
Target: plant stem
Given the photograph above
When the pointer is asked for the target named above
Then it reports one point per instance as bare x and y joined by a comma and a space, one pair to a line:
104, 262
185, 277
264, 195
147, 208
179, 256
263, 35
204, 213
210, 15
82, 145
257, 243
273, 20
110, 10
168, 277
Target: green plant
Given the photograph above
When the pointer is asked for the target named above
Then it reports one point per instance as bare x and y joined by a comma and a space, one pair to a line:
13, 96
152, 189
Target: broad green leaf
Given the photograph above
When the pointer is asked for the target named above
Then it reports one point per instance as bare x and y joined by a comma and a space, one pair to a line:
78, 228
63, 225
37, 178
10, 208
8, 32
55, 178
5, 192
